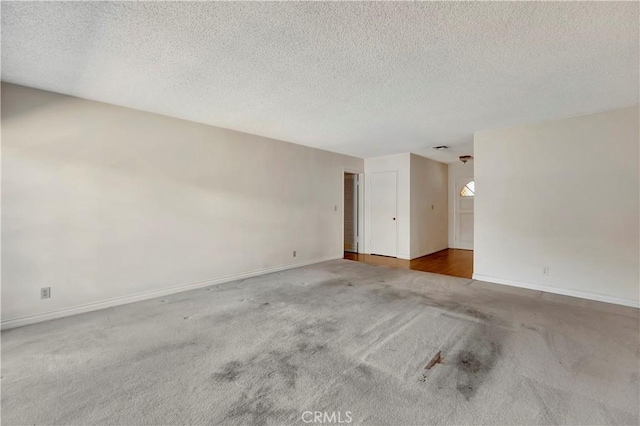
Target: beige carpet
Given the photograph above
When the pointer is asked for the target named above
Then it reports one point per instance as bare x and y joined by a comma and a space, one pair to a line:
342, 338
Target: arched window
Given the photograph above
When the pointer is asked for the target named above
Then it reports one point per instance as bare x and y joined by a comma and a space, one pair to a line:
468, 190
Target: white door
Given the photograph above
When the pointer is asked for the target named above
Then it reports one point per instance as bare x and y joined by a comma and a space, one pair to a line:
384, 230
465, 193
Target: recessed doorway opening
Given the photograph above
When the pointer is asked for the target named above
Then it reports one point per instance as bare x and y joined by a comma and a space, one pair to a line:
351, 212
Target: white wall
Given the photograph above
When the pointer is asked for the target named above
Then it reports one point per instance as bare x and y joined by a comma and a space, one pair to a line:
401, 164
562, 194
429, 209
101, 202
456, 171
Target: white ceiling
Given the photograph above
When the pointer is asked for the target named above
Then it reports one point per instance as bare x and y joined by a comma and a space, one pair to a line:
366, 79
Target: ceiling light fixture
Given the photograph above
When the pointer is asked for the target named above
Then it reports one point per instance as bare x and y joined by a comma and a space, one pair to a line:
440, 147
465, 158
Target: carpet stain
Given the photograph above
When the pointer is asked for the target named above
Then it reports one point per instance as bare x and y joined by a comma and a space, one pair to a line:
230, 372
307, 348
255, 407
272, 375
389, 294
315, 328
476, 360
287, 370
278, 368
468, 362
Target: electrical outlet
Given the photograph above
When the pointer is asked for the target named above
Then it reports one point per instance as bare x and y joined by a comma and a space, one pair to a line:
45, 292
294, 253
545, 270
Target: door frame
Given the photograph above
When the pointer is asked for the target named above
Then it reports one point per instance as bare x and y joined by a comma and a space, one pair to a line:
456, 207
359, 206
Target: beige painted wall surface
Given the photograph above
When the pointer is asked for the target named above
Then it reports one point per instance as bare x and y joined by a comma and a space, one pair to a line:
101, 202
562, 194
429, 209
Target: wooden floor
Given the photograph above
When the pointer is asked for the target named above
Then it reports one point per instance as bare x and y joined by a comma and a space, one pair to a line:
458, 263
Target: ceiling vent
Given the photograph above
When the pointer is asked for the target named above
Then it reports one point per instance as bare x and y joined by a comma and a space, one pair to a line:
440, 147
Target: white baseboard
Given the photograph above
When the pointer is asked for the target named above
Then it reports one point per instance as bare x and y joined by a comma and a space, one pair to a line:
555, 290
88, 307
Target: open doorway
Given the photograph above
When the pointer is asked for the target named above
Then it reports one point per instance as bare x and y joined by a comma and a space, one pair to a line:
351, 212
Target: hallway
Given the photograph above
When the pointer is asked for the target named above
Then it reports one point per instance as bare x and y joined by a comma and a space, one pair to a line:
454, 262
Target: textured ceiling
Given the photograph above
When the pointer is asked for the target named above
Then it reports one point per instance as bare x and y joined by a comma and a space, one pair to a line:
365, 79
